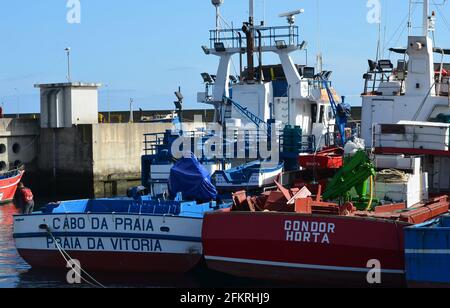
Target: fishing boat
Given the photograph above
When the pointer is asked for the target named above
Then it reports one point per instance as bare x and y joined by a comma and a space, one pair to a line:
428, 253
249, 176
8, 184
358, 224
114, 235
321, 242
138, 233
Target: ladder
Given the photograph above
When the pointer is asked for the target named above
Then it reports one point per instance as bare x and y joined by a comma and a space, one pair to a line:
261, 124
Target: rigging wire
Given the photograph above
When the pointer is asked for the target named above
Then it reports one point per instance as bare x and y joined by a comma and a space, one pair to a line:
67, 258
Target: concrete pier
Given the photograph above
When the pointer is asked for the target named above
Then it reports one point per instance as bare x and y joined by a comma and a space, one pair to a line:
84, 161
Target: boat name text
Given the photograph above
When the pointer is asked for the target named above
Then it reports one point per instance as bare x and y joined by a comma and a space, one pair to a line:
308, 231
103, 224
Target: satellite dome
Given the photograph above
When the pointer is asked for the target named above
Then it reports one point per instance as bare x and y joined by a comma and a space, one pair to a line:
217, 2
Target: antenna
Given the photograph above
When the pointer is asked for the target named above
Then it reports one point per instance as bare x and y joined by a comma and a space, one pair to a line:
251, 12
291, 16
426, 17
217, 4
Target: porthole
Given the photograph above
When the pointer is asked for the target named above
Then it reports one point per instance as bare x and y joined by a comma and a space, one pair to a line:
2, 148
17, 163
2, 166
16, 148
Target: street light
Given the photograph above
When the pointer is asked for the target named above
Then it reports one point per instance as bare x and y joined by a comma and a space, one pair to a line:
108, 107
131, 110
67, 50
18, 102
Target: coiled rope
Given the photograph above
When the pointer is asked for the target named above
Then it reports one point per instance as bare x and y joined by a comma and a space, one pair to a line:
392, 176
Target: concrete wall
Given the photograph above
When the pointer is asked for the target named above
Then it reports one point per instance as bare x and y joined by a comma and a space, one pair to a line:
82, 161
117, 151
19, 140
65, 162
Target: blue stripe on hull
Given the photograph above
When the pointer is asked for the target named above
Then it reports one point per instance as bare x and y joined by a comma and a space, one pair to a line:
113, 235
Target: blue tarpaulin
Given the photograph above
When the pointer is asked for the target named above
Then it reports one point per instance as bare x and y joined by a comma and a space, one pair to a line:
192, 180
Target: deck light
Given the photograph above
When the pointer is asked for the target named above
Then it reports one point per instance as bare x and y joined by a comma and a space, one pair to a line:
207, 78
219, 47
281, 44
206, 50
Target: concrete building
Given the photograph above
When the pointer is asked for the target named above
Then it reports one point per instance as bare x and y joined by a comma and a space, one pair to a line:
66, 104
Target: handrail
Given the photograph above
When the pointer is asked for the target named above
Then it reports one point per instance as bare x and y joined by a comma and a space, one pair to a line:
251, 116
270, 34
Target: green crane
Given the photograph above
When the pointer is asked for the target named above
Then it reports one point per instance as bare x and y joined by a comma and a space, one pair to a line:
356, 173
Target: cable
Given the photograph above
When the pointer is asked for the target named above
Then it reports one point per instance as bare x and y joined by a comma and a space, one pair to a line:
67, 258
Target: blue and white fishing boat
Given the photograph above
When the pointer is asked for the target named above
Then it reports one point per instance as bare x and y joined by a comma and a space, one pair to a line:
134, 234
254, 175
427, 249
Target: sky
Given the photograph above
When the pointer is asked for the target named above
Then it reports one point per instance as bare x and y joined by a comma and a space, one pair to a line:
146, 49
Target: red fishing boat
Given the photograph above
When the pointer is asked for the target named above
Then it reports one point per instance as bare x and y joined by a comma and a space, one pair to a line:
8, 184
314, 248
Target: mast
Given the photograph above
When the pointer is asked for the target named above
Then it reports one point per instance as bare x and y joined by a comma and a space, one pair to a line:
251, 12
248, 29
426, 17
217, 4
410, 18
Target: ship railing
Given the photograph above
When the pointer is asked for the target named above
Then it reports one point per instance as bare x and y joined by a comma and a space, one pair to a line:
200, 142
270, 36
376, 82
413, 140
152, 141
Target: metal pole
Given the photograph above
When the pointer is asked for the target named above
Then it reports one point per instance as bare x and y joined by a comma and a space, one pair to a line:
18, 102
426, 15
69, 79
217, 23
131, 111
108, 103
251, 11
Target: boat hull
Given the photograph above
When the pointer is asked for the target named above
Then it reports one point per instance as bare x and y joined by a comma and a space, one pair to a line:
113, 262
110, 242
304, 248
428, 254
8, 187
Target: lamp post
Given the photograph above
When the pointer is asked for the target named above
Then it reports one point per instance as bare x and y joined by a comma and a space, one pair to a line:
131, 110
18, 102
69, 78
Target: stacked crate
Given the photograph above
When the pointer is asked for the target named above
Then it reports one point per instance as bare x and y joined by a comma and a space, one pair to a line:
292, 146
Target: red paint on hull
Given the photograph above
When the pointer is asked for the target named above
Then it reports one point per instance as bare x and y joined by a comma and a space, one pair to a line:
255, 245
114, 262
8, 187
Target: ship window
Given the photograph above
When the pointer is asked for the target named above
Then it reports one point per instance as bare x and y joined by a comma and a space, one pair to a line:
330, 113
2, 148
17, 163
322, 114
314, 113
2, 166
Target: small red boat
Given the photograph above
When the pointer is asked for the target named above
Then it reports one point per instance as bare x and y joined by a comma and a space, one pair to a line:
8, 184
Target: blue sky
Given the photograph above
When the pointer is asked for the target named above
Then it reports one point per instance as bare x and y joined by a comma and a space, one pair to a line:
145, 49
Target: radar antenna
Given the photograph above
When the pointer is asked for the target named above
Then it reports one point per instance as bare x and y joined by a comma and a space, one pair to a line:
290, 16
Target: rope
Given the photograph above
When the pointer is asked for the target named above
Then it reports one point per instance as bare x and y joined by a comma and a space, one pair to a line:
67, 258
392, 176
